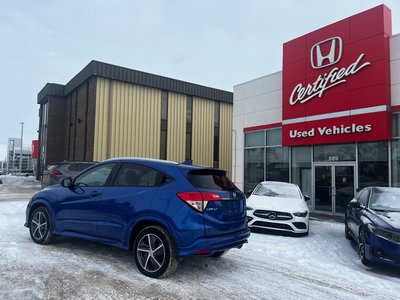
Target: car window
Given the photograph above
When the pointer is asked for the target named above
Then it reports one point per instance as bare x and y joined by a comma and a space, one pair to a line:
95, 177
73, 167
211, 179
278, 190
385, 200
134, 175
82, 166
363, 197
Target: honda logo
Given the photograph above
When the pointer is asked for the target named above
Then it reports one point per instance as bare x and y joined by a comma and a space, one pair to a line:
326, 53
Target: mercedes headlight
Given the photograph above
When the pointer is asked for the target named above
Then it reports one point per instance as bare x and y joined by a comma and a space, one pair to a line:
301, 214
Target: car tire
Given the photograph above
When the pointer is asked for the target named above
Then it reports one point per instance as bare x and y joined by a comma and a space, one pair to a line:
40, 226
218, 254
361, 249
155, 252
346, 231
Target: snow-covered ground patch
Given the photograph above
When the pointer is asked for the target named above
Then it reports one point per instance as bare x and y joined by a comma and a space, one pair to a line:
18, 186
323, 265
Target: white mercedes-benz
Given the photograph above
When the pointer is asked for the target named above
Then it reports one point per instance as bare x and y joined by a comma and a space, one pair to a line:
278, 206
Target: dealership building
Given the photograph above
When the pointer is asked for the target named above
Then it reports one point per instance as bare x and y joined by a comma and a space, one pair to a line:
108, 111
330, 120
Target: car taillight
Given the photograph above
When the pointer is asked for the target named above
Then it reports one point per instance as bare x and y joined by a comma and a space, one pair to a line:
198, 200
55, 172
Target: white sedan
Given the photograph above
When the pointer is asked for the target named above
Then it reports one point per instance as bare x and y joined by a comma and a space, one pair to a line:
278, 206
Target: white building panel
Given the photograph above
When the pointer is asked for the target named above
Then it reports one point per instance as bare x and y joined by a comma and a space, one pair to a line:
395, 47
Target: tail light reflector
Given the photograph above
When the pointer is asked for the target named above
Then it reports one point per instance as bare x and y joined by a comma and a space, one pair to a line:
198, 200
55, 172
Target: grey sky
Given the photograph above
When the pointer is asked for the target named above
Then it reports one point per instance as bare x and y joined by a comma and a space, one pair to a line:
217, 43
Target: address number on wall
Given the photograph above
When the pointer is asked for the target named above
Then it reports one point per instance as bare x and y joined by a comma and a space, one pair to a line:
333, 158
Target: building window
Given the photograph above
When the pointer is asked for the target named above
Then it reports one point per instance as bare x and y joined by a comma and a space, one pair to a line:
396, 163
265, 158
216, 134
277, 157
340, 152
395, 147
301, 169
277, 164
164, 125
255, 139
189, 118
254, 168
373, 164
396, 125
274, 137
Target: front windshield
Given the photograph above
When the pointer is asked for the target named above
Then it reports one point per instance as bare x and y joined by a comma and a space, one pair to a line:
385, 200
277, 190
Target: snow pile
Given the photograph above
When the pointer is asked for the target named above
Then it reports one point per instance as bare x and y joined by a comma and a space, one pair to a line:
18, 186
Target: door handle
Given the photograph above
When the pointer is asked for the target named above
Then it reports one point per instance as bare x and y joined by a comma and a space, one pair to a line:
95, 194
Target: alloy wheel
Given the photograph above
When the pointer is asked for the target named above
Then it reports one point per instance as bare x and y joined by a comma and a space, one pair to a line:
151, 253
39, 225
361, 249
346, 231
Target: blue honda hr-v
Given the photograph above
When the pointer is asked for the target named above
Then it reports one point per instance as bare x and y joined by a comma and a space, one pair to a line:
160, 209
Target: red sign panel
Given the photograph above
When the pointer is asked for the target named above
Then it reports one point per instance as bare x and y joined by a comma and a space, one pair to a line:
35, 149
336, 82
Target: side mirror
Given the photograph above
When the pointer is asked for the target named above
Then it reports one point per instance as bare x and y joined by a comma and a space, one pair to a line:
354, 204
66, 182
306, 197
248, 193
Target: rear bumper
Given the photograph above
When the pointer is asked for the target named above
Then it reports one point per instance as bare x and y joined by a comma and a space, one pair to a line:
209, 245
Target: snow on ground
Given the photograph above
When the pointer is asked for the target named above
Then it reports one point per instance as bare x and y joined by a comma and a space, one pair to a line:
18, 186
323, 265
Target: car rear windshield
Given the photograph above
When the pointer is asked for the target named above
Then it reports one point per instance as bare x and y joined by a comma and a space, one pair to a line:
53, 166
211, 179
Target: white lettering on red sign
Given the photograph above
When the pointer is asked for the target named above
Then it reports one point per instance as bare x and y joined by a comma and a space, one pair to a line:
353, 128
336, 76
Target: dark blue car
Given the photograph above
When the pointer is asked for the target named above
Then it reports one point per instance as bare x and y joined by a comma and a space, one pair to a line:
159, 209
373, 220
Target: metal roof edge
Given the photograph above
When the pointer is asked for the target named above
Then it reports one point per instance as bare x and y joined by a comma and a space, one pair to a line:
109, 71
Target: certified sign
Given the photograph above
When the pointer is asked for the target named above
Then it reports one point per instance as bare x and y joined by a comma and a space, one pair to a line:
336, 82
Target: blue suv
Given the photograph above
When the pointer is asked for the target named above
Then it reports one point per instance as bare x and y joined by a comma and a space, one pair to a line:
160, 209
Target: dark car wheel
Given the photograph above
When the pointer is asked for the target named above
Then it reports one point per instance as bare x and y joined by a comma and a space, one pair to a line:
361, 249
346, 231
154, 252
40, 226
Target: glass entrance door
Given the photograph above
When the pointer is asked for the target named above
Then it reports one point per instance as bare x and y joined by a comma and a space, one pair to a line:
334, 187
344, 187
323, 188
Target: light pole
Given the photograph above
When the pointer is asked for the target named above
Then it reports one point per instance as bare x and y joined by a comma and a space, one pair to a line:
20, 155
